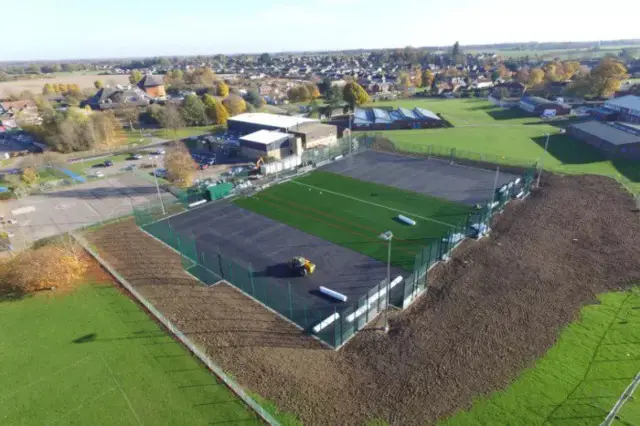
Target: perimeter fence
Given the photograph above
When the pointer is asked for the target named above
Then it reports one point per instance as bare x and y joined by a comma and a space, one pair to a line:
333, 325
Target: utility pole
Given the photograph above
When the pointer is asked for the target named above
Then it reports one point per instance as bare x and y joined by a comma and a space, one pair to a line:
387, 236
495, 186
155, 177
546, 146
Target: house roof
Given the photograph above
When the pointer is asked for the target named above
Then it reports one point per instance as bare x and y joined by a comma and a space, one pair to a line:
17, 105
150, 81
613, 133
535, 100
627, 102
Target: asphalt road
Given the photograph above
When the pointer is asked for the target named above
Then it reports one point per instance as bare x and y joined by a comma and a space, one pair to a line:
73, 207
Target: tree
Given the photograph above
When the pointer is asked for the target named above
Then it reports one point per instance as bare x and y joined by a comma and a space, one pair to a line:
193, 111
523, 76
29, 176
334, 97
62, 88
456, 53
174, 77
607, 76
51, 266
495, 75
98, 84
216, 112
203, 76
222, 89
417, 78
536, 77
354, 94
571, 68
131, 115
135, 76
325, 85
48, 89
427, 78
299, 93
170, 118
105, 129
265, 58
234, 104
315, 92
254, 98
179, 165
405, 81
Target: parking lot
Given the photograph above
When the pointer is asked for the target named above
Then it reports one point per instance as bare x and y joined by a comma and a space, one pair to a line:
46, 215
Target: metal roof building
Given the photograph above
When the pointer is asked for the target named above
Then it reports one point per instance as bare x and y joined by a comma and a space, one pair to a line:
252, 122
379, 118
617, 140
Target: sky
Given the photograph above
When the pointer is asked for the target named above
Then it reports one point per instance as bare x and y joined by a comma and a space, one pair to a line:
70, 29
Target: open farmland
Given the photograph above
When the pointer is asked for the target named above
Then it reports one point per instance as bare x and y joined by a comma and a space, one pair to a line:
482, 130
84, 81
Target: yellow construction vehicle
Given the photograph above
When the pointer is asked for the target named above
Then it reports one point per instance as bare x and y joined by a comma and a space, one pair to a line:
302, 266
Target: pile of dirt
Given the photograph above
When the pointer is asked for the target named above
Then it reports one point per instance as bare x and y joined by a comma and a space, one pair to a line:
490, 312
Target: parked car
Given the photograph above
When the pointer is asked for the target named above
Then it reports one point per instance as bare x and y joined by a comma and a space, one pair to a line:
135, 157
99, 174
108, 163
161, 173
204, 166
159, 151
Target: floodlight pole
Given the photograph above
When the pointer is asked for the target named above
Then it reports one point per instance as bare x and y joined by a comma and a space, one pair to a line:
495, 186
155, 177
546, 145
387, 236
350, 137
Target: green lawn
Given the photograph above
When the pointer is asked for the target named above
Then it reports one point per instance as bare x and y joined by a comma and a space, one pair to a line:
352, 213
579, 380
183, 132
94, 358
483, 131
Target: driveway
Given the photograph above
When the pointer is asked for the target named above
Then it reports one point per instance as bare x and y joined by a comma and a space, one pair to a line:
42, 216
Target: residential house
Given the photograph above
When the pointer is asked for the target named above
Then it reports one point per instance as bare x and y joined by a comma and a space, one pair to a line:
152, 86
24, 110
119, 97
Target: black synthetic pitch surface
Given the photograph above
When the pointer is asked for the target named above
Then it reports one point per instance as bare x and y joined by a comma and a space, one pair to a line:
433, 177
249, 238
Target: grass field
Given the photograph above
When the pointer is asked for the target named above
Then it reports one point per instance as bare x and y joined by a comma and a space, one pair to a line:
94, 358
580, 379
508, 137
352, 213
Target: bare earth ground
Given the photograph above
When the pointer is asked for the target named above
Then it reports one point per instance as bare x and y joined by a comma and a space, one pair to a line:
492, 310
36, 85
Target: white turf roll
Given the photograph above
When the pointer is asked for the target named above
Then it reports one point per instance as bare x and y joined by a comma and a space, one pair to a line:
332, 293
406, 220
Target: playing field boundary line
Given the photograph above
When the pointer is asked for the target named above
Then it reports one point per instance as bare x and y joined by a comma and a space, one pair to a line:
88, 401
373, 204
115, 379
42, 379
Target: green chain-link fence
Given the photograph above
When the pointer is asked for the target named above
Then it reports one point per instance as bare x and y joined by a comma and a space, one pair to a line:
333, 325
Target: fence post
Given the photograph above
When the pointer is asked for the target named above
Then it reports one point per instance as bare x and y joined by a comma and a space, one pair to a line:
304, 314
253, 288
290, 305
335, 329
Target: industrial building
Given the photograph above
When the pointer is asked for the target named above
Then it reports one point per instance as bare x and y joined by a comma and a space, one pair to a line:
616, 140
278, 136
390, 119
624, 108
266, 143
541, 106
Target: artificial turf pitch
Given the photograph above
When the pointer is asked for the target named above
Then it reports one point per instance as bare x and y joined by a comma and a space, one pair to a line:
352, 213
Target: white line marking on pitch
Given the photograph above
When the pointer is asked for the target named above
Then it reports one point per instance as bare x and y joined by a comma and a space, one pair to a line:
68, 413
373, 204
44, 378
120, 388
